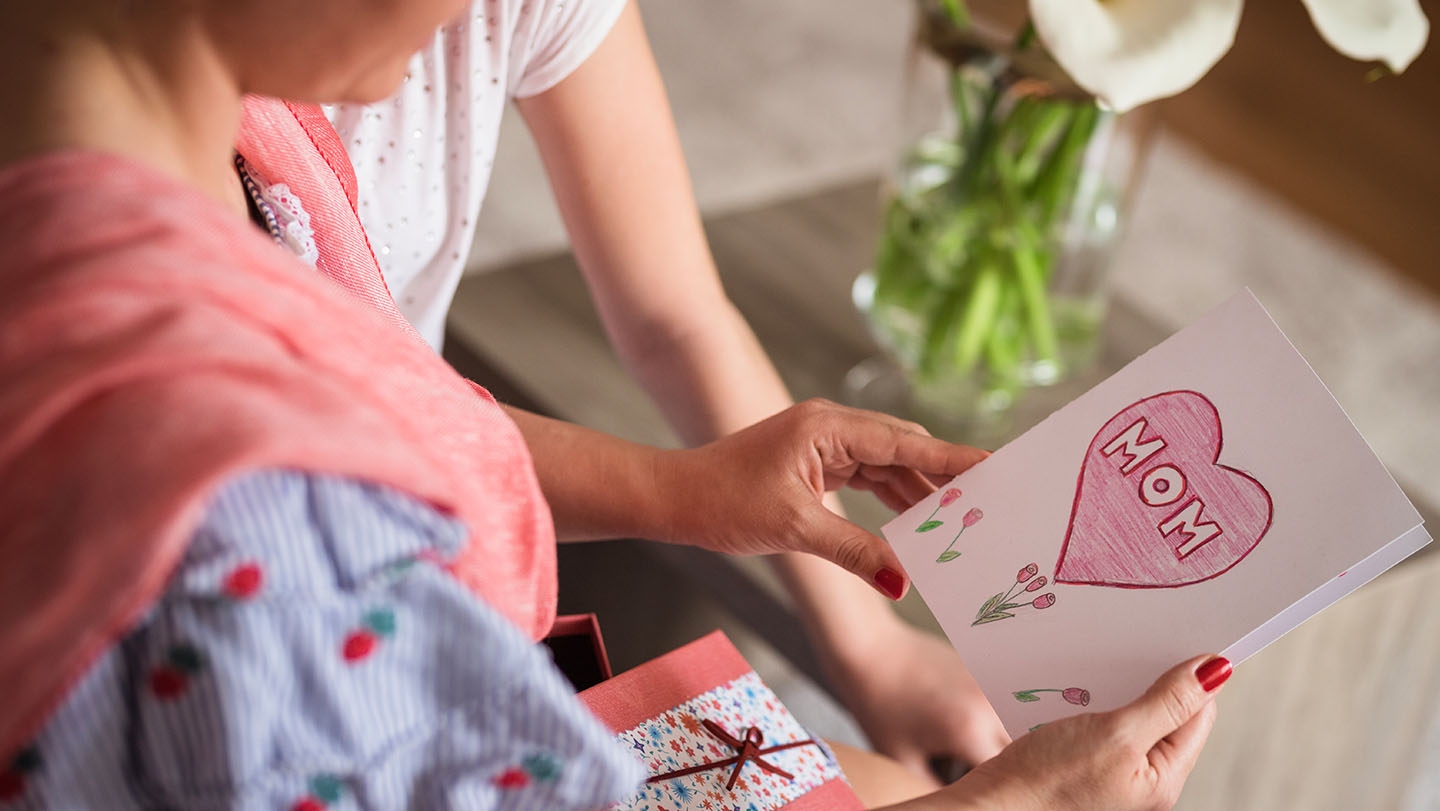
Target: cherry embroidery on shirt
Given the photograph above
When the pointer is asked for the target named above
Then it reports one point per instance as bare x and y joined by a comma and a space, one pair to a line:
360, 643
13, 780
539, 767
325, 790
512, 778
244, 581
542, 766
170, 679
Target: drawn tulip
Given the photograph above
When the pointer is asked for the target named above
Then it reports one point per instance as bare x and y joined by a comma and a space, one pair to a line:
931, 522
971, 519
1078, 696
1000, 606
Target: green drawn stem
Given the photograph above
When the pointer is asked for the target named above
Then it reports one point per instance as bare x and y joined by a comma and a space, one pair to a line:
952, 543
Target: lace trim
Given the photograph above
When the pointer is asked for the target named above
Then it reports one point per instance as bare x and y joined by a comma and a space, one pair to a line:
291, 222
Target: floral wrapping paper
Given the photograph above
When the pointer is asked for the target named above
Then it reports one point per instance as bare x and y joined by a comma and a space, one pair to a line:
677, 739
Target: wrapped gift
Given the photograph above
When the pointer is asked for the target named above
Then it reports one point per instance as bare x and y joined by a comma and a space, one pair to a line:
715, 738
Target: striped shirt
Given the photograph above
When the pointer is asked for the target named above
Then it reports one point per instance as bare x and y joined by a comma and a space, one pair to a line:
310, 652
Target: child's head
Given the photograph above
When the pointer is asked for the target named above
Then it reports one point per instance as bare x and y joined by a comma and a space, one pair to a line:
303, 50
321, 50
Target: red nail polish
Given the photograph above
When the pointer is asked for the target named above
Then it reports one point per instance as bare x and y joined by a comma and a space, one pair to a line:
1213, 673
891, 582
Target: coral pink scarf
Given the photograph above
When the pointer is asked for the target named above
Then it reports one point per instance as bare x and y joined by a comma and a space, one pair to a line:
152, 345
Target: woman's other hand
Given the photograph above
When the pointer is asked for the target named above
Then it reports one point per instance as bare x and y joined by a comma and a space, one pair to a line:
1135, 758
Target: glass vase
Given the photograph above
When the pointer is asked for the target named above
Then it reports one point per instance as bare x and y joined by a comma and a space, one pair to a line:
1000, 224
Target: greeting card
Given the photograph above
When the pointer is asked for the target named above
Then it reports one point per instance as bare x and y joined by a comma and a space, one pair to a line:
1210, 496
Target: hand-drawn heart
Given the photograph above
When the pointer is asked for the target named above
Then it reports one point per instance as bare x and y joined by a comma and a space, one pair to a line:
1154, 508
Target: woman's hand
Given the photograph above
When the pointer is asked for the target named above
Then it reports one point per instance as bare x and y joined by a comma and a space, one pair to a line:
1135, 758
759, 490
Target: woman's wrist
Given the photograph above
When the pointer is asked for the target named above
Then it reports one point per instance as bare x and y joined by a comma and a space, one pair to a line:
665, 472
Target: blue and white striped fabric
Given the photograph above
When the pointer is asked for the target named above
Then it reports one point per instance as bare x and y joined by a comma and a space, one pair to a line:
308, 654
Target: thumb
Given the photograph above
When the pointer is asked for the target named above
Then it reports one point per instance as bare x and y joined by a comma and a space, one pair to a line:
1174, 699
848, 546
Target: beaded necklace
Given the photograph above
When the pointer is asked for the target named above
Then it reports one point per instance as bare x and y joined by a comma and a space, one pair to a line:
260, 209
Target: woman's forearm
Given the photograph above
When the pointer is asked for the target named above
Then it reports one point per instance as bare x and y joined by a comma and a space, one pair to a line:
570, 460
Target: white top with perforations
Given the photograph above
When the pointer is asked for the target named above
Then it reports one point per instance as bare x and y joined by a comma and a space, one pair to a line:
423, 158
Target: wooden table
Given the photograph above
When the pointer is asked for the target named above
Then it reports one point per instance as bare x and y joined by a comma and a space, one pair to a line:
1341, 714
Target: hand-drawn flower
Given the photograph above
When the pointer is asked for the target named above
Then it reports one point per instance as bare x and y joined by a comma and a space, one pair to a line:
1000, 607
971, 519
946, 499
1078, 696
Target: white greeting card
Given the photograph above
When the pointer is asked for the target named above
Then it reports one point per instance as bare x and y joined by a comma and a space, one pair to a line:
1210, 496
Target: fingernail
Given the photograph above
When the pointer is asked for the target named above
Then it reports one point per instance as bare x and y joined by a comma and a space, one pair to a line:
1213, 673
891, 582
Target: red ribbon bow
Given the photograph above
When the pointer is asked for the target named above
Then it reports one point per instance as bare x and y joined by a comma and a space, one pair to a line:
749, 752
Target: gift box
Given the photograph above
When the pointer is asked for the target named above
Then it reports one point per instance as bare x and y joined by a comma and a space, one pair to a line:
715, 738
578, 650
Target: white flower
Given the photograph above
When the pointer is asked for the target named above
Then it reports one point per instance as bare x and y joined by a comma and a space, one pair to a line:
1392, 31
1129, 52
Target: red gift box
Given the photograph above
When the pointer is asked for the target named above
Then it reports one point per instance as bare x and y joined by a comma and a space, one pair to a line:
714, 737
578, 650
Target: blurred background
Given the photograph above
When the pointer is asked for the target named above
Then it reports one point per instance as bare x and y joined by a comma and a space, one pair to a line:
1283, 170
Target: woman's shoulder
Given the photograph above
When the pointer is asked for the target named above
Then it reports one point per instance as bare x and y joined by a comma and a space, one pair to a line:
76, 212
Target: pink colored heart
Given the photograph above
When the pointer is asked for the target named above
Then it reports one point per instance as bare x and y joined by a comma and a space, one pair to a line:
1154, 508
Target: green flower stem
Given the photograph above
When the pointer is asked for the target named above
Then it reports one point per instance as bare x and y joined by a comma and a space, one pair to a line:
944, 324
976, 148
958, 13
1026, 37
1057, 180
1053, 121
1002, 351
960, 100
980, 311
1032, 279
